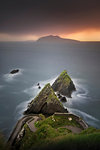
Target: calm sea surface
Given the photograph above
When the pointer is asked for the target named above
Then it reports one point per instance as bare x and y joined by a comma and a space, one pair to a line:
43, 63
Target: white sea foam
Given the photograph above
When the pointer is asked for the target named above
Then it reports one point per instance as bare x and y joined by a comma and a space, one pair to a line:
22, 107
11, 77
81, 90
85, 115
32, 92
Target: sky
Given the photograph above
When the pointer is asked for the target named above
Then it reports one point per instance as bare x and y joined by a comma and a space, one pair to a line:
22, 20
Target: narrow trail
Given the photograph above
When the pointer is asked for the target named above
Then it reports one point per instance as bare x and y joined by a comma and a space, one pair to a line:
19, 126
31, 122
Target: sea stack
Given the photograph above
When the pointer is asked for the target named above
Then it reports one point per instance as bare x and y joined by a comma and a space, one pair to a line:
64, 85
46, 103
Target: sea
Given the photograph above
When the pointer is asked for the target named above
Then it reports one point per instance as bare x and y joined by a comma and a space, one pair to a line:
42, 63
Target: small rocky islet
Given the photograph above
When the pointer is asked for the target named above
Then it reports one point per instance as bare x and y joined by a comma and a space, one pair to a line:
14, 71
46, 112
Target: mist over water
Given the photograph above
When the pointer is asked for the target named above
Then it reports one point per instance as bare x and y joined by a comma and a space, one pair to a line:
42, 64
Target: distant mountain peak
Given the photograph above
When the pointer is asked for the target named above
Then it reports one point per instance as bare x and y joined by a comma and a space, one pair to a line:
49, 37
55, 39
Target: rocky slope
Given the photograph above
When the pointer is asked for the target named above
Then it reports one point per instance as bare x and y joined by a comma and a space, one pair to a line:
46, 102
64, 85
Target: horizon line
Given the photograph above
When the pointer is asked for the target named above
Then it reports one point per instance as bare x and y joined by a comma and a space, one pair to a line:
48, 36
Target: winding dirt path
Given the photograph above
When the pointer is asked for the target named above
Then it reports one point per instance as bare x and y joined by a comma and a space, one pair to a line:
19, 126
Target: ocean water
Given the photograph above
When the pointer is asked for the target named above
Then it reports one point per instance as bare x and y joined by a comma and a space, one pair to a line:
43, 63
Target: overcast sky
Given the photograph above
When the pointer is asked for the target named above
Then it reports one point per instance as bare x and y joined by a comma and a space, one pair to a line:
40, 17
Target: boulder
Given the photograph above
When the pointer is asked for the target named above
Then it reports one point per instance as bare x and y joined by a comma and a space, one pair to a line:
39, 87
63, 99
64, 85
59, 95
14, 71
38, 84
46, 103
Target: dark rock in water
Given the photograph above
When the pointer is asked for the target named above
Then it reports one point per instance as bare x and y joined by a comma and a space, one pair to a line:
14, 71
59, 95
64, 85
38, 84
63, 99
46, 103
39, 87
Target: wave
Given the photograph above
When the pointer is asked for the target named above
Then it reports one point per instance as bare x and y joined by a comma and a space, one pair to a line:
34, 90
21, 108
81, 89
11, 77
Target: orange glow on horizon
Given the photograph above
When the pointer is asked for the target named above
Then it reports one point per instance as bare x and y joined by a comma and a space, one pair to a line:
86, 35
7, 37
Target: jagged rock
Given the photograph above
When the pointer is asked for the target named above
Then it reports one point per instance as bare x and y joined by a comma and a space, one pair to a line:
39, 87
63, 99
59, 95
38, 84
64, 85
14, 71
46, 103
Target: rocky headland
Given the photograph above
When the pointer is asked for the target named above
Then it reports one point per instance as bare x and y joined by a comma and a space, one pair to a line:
46, 117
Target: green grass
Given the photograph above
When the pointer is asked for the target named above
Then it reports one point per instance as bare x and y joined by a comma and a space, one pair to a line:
42, 117
49, 138
47, 92
74, 142
40, 137
90, 130
64, 78
47, 129
51, 134
57, 121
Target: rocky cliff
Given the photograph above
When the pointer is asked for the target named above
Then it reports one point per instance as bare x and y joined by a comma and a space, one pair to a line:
64, 85
46, 102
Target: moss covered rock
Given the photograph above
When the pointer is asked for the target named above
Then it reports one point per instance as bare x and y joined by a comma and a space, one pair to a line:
63, 84
46, 102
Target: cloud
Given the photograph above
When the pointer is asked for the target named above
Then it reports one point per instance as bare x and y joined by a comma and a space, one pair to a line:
48, 16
